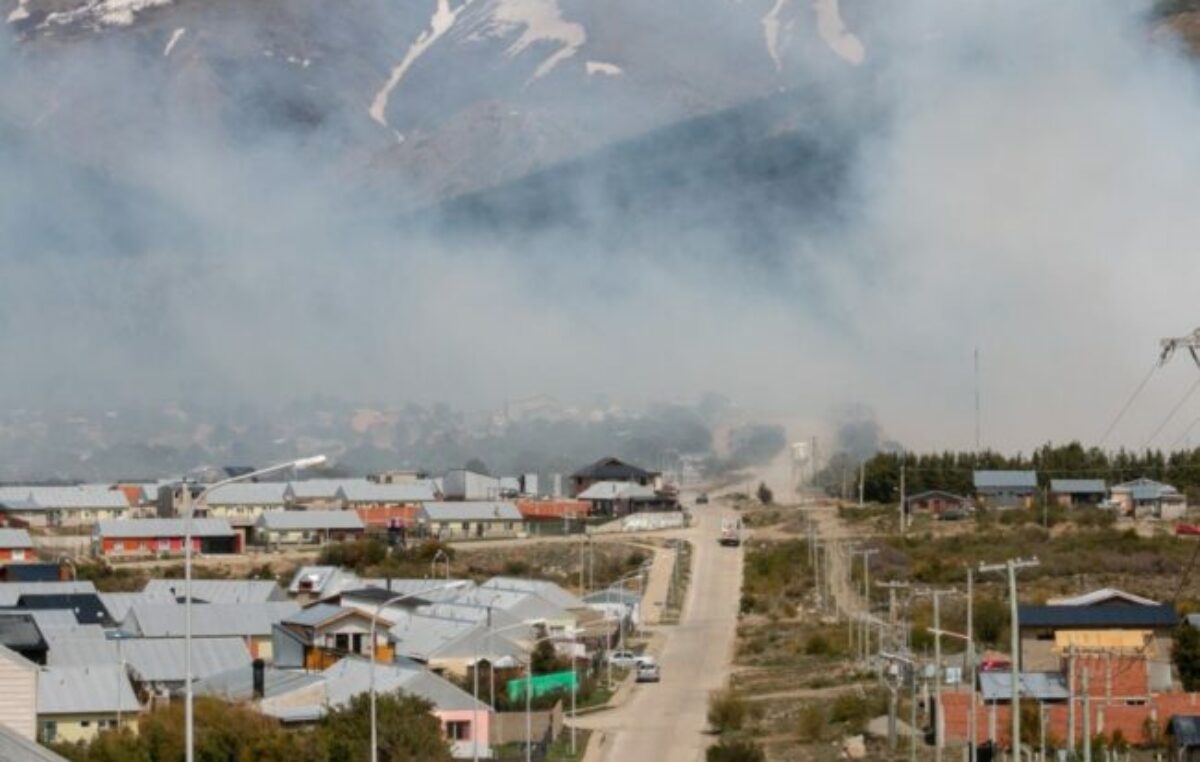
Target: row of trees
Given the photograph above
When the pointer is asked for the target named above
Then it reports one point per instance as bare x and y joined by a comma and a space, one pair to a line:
953, 471
227, 732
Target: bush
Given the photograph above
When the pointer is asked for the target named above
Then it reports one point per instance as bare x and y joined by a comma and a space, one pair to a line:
727, 711
735, 751
818, 645
765, 495
812, 723
851, 709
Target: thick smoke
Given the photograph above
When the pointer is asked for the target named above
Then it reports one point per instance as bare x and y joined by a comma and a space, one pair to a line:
1013, 177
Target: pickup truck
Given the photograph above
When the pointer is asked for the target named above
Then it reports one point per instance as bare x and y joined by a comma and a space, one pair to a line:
731, 532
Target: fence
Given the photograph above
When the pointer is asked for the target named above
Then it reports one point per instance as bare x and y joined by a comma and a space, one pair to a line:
509, 727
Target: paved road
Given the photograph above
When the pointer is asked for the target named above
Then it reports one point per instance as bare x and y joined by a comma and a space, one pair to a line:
666, 722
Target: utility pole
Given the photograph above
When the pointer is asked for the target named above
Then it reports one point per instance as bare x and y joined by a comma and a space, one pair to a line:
972, 731
977, 427
903, 494
1071, 700
866, 553
937, 671
1087, 719
1011, 566
862, 478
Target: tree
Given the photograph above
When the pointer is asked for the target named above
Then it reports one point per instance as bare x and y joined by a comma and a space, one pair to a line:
544, 659
765, 495
991, 617
408, 731
727, 711
1186, 655
478, 466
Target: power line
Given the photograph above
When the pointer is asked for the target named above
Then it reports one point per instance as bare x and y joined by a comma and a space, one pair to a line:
1188, 395
1129, 402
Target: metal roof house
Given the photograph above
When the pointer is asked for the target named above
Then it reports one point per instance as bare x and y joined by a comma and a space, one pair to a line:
153, 537
1006, 489
242, 503
320, 635
251, 622
470, 520
11, 592
218, 590
612, 469
87, 607
19, 633
549, 591
1075, 492
76, 703
156, 664
937, 502
16, 545
307, 527
1049, 634
1146, 498
63, 506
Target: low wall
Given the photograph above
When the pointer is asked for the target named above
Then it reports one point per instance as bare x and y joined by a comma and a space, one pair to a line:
509, 727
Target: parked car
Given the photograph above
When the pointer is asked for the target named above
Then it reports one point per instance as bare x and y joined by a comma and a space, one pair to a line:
703, 499
624, 659
648, 672
731, 532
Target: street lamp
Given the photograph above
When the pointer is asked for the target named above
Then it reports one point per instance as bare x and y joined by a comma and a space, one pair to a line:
189, 717
375, 621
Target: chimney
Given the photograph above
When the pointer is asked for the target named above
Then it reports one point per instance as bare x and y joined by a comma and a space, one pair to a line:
259, 668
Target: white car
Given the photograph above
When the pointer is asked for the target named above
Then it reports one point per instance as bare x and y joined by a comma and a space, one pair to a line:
628, 659
648, 672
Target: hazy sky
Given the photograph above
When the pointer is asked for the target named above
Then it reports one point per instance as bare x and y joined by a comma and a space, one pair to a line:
1021, 181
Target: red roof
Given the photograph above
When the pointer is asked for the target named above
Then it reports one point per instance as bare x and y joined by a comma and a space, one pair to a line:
549, 510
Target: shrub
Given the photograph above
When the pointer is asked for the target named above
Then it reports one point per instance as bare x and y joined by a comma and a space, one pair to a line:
812, 723
818, 645
727, 711
735, 751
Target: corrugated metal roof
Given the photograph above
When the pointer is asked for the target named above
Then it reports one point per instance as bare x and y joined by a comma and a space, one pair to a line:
314, 616
155, 660
319, 489
161, 528
1102, 595
370, 492
1040, 686
67, 498
51, 621
118, 604
351, 677
1078, 486
16, 748
612, 469
470, 511
15, 538
549, 591
284, 521
1005, 480
238, 684
1085, 617
93, 689
617, 491
11, 592
248, 493
209, 620
218, 590
523, 606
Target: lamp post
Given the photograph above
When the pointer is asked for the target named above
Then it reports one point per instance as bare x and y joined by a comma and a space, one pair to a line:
374, 622
189, 715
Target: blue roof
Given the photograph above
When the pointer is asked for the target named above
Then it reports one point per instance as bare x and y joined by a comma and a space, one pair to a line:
1041, 686
1078, 486
1097, 616
1006, 480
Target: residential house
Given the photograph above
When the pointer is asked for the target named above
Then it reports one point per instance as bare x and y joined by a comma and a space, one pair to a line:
449, 646
362, 495
317, 583
16, 546
613, 470
318, 636
546, 590
1146, 498
157, 666
624, 498
543, 511
19, 633
464, 484
470, 520
218, 590
119, 604
318, 494
76, 703
253, 623
939, 503
31, 571
1006, 489
18, 699
522, 607
241, 504
1106, 630
465, 721
11, 592
158, 537
617, 603
307, 527
82, 505
1072, 493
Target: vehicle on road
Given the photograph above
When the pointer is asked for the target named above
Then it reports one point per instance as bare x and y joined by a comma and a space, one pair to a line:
629, 659
648, 672
731, 532
703, 499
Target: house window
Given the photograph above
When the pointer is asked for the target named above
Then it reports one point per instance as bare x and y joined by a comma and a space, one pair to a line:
341, 642
458, 730
508, 525
466, 526
18, 554
107, 724
85, 723
49, 731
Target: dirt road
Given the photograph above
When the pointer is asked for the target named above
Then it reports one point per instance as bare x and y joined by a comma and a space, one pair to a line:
665, 722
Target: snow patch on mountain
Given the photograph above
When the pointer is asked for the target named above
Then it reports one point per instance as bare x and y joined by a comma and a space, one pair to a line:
441, 22
542, 22
833, 31
103, 12
607, 69
175, 37
20, 13
771, 28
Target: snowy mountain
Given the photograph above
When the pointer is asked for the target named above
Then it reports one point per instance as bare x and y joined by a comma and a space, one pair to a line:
422, 99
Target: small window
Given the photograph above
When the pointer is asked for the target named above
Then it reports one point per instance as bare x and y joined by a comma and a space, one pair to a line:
466, 525
458, 730
85, 723
49, 731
